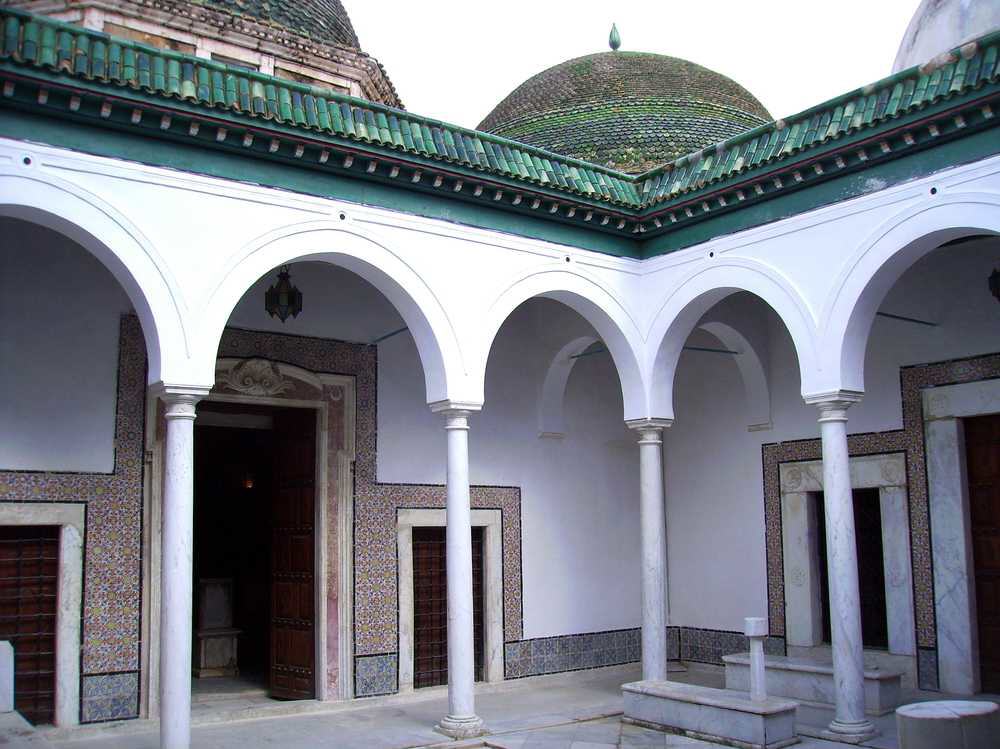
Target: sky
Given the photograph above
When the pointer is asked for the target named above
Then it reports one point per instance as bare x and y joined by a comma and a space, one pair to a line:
454, 60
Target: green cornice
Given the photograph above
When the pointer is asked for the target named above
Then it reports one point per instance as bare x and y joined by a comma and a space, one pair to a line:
161, 107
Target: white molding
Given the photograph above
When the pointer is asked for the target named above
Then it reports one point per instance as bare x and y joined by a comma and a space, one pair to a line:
492, 523
71, 519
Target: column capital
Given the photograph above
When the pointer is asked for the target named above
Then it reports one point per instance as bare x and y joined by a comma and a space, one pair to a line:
448, 406
179, 399
833, 404
650, 430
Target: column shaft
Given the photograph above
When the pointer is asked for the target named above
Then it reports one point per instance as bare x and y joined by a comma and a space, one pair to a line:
176, 574
842, 562
654, 553
461, 721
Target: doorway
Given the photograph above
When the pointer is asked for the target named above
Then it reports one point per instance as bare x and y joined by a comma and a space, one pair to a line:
871, 569
430, 605
982, 450
29, 581
254, 550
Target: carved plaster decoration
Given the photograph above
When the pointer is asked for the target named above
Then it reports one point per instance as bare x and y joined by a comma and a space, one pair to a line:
254, 377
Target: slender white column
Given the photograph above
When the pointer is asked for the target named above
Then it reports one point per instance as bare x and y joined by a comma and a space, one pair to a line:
176, 571
850, 722
654, 548
461, 721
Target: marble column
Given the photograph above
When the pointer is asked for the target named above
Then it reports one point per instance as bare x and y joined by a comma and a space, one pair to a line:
850, 722
176, 569
461, 722
653, 550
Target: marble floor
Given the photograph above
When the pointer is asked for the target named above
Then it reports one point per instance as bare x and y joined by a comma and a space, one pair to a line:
566, 711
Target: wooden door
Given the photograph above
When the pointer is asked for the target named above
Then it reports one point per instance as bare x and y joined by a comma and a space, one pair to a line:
982, 449
430, 605
29, 582
293, 642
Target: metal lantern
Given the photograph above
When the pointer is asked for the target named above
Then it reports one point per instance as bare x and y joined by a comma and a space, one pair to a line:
282, 299
995, 283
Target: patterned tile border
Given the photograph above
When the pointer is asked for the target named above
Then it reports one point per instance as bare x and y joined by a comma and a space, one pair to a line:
113, 543
909, 440
375, 675
105, 697
550, 655
375, 592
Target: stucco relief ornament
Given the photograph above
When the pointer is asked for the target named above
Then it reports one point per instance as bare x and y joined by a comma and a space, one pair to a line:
255, 377
893, 473
791, 478
797, 577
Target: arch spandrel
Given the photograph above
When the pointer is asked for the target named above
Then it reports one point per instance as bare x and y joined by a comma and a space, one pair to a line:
374, 260
875, 267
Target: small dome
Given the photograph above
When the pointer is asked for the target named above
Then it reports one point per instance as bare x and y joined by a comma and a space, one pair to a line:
941, 25
628, 110
323, 21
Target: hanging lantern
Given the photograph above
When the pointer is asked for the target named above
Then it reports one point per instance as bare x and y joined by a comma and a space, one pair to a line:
282, 299
995, 283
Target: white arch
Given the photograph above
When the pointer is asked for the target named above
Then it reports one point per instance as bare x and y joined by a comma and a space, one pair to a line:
38, 197
880, 261
693, 296
346, 245
752, 372
594, 303
551, 421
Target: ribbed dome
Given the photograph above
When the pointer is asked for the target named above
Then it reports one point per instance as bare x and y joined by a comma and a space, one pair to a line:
629, 110
321, 20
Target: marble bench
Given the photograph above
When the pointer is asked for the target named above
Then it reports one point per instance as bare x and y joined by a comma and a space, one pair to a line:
718, 715
811, 681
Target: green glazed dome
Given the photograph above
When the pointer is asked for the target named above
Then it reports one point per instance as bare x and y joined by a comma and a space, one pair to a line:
324, 21
628, 110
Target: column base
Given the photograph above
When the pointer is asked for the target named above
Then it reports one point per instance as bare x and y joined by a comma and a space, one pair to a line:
850, 733
461, 728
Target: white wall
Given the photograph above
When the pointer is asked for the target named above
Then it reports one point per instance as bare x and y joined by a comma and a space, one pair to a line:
59, 319
714, 482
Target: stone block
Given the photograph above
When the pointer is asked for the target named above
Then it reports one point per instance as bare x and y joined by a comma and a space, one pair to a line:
710, 714
6, 677
811, 681
956, 724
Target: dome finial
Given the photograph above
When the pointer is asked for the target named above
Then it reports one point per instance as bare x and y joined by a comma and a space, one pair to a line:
614, 40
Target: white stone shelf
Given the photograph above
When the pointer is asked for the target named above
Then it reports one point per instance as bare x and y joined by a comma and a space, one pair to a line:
720, 715
811, 681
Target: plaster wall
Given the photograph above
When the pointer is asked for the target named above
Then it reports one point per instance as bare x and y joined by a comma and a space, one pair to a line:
722, 510
59, 321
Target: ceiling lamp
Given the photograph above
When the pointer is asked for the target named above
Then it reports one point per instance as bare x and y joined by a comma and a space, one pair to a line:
282, 299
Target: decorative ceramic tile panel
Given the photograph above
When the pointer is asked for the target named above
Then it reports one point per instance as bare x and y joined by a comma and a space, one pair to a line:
375, 675
113, 543
549, 655
109, 697
909, 440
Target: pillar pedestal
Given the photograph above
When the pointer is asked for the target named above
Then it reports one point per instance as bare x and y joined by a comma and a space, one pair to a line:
850, 723
461, 722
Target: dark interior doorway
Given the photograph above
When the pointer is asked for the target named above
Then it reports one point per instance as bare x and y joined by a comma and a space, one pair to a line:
430, 605
871, 572
29, 582
982, 450
253, 525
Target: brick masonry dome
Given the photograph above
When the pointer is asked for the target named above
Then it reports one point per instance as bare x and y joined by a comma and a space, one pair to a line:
628, 110
324, 21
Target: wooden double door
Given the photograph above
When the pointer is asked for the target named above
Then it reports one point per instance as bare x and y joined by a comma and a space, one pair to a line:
982, 449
